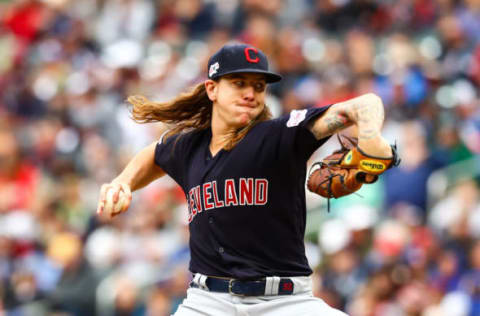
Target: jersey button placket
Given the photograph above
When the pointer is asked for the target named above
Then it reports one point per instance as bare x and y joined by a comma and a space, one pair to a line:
210, 220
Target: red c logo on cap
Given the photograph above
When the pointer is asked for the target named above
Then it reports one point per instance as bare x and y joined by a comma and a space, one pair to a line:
247, 55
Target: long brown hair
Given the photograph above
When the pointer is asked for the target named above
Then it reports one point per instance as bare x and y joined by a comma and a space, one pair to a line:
188, 111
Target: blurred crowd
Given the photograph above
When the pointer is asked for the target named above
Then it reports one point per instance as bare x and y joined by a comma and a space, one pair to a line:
408, 245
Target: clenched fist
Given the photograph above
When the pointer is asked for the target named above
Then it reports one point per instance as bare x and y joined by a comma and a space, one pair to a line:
115, 198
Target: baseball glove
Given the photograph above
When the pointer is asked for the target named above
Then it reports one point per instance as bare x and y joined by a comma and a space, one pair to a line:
345, 170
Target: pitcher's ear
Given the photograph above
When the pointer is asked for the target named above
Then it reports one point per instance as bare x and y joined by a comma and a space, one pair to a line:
211, 87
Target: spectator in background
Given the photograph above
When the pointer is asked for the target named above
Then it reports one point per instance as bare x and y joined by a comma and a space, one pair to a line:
75, 291
407, 185
450, 146
470, 281
19, 179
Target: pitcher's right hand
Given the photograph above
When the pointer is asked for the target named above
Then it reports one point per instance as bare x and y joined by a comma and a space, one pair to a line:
114, 199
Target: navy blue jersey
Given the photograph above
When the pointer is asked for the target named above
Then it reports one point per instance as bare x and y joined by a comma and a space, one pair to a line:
246, 206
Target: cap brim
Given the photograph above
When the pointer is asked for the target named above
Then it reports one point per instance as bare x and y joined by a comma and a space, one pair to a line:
270, 77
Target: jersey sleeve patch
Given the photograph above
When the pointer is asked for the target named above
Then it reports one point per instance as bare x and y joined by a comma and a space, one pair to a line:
296, 117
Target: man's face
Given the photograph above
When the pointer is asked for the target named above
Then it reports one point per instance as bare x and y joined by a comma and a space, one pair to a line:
238, 98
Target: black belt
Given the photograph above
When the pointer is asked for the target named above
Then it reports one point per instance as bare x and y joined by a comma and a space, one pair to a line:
244, 288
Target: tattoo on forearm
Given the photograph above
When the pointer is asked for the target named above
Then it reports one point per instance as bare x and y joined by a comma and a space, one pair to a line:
335, 122
369, 119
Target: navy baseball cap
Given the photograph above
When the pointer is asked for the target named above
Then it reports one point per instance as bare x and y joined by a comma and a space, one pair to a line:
236, 58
